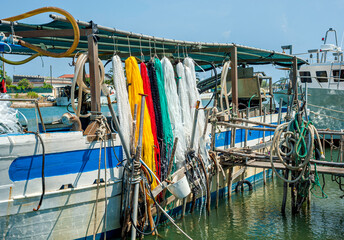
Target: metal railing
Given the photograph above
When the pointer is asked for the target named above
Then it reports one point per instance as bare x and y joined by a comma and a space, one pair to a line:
35, 101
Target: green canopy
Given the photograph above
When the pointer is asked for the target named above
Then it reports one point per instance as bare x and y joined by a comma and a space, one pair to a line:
57, 36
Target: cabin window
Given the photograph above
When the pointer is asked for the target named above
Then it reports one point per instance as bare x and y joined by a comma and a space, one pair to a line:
305, 77
322, 76
336, 75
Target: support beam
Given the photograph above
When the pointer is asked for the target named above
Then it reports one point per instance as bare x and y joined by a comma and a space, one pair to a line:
94, 73
48, 33
234, 77
271, 95
294, 79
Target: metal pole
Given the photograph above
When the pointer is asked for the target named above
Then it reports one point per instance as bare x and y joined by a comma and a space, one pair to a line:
246, 131
306, 97
194, 125
264, 120
51, 75
271, 95
234, 77
136, 182
125, 145
341, 146
280, 111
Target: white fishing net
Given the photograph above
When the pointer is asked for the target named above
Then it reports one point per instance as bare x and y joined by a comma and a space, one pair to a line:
174, 110
8, 117
123, 106
184, 102
201, 140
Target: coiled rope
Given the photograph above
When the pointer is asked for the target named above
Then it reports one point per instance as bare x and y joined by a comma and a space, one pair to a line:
300, 148
39, 50
79, 79
224, 93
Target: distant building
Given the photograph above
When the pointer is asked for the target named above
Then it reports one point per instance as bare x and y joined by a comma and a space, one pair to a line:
71, 76
57, 82
38, 81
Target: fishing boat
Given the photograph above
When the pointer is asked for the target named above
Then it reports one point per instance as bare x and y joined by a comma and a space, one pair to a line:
77, 183
322, 80
63, 96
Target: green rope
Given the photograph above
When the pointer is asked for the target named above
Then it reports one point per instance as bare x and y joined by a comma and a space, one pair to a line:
249, 102
301, 146
301, 151
317, 183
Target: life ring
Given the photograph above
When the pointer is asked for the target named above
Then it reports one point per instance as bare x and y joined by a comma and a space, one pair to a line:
240, 183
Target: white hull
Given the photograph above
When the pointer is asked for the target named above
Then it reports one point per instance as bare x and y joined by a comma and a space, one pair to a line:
64, 101
69, 213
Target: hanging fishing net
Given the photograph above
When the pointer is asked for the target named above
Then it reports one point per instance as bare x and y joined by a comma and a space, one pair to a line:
174, 110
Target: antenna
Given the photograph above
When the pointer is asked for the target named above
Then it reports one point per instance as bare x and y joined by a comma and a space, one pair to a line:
286, 47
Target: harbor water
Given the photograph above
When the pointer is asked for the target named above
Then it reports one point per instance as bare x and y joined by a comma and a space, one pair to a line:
252, 214
49, 114
257, 215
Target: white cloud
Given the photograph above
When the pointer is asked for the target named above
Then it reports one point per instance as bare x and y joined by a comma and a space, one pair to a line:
284, 25
226, 34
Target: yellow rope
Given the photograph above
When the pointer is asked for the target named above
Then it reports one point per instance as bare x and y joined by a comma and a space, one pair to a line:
39, 50
20, 62
135, 88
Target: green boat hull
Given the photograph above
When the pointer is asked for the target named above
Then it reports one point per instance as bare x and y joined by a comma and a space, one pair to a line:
326, 107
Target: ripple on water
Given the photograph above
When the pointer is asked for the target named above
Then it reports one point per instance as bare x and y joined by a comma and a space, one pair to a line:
256, 215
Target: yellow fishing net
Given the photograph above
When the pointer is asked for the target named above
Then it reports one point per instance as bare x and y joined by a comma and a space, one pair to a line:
135, 89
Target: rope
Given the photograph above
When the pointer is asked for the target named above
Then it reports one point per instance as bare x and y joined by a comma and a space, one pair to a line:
320, 114
43, 163
166, 123
105, 181
299, 147
136, 88
317, 183
224, 92
100, 132
174, 110
123, 106
325, 108
79, 77
39, 50
173, 222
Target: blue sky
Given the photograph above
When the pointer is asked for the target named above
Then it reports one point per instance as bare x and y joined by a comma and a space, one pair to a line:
266, 24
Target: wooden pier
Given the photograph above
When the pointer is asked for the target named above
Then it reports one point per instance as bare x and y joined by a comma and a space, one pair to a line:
247, 157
